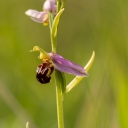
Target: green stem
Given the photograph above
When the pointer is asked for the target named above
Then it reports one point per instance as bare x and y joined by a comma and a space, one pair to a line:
50, 21
53, 40
59, 94
59, 100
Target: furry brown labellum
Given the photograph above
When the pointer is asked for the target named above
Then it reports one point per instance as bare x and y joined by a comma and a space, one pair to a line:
44, 72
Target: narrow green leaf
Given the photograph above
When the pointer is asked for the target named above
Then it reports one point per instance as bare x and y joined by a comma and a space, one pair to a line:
60, 80
77, 79
27, 125
90, 62
55, 23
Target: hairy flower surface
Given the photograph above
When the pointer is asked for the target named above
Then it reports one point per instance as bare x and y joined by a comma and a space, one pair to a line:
43, 16
44, 72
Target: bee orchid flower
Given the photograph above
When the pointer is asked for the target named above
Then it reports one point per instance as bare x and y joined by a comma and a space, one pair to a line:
52, 61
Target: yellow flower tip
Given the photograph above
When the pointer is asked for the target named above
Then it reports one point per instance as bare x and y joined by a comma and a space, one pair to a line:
43, 54
93, 53
36, 48
45, 24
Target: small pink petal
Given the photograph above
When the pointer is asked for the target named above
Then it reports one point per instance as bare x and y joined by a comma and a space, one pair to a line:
37, 16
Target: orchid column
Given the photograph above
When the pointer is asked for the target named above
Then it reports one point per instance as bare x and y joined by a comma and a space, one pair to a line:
52, 62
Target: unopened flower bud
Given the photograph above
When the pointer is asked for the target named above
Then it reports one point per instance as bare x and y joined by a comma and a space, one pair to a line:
49, 6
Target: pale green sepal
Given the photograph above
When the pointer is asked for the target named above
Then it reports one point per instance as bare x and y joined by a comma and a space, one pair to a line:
55, 23
27, 125
77, 79
60, 80
43, 54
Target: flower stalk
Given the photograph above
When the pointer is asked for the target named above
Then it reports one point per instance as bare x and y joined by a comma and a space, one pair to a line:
53, 23
52, 62
53, 40
59, 101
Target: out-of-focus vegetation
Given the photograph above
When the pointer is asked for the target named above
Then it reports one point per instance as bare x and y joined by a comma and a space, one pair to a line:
101, 100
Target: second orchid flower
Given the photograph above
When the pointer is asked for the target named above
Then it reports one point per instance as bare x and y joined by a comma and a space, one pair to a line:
43, 16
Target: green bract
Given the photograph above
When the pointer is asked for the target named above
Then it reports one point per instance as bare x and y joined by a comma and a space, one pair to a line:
55, 23
54, 29
60, 81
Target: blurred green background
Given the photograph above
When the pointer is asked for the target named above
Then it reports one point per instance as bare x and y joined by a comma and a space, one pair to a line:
101, 100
